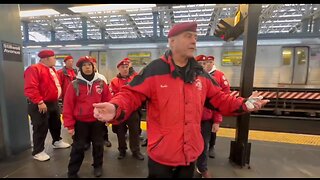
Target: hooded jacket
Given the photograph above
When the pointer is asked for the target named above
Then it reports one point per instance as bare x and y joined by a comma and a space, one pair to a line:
79, 108
174, 108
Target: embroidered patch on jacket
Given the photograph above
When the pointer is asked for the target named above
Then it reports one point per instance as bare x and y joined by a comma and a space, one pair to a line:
98, 89
198, 84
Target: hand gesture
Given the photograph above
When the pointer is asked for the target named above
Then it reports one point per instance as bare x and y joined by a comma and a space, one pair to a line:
42, 108
255, 102
104, 111
215, 127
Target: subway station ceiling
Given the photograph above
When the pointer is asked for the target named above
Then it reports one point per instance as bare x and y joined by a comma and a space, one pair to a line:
138, 23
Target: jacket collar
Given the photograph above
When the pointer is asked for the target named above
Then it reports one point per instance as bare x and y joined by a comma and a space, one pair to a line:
192, 70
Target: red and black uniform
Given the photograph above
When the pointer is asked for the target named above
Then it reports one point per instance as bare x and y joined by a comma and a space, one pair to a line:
133, 122
78, 115
66, 75
40, 86
174, 108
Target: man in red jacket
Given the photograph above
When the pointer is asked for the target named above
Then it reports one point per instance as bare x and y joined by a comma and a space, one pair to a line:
67, 74
225, 86
176, 89
87, 89
133, 122
42, 89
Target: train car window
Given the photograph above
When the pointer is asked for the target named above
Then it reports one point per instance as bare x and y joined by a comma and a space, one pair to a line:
231, 58
301, 54
286, 56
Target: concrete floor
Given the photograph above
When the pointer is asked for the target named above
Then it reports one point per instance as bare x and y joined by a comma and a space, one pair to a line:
268, 159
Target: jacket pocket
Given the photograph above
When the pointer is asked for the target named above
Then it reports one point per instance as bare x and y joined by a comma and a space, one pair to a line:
156, 145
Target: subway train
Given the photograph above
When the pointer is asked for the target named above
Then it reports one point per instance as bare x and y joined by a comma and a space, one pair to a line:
286, 71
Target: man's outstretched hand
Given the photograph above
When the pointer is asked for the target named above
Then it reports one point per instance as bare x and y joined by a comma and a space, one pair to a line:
104, 112
255, 102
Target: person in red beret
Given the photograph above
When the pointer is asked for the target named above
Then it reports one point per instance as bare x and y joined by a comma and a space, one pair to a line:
67, 74
78, 117
175, 88
42, 89
202, 60
133, 122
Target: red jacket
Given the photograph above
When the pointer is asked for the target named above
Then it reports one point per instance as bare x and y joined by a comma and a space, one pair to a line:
118, 81
39, 84
79, 108
209, 114
66, 76
174, 108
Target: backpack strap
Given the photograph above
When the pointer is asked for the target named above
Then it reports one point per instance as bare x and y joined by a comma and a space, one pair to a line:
75, 84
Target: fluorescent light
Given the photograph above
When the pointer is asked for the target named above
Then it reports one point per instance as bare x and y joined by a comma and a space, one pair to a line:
132, 46
106, 7
34, 46
96, 45
54, 46
75, 45
41, 12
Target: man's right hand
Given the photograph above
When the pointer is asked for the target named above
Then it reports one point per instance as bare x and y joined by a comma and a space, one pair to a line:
42, 108
104, 111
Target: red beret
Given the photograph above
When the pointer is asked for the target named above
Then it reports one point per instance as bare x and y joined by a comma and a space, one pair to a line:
209, 58
123, 62
126, 59
67, 58
84, 59
93, 59
45, 53
182, 27
201, 58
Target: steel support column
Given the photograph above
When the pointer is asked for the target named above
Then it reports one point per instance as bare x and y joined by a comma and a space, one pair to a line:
240, 148
53, 35
25, 25
155, 23
304, 25
316, 25
103, 33
84, 28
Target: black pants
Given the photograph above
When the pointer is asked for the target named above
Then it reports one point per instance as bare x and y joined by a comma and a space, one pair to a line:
84, 131
106, 136
133, 124
212, 139
41, 122
202, 163
157, 170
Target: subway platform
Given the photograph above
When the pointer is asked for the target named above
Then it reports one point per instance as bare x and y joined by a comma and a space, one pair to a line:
280, 158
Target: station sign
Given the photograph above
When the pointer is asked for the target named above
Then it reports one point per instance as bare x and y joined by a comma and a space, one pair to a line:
11, 51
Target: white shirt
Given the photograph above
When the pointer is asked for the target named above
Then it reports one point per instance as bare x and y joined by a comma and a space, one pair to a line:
56, 81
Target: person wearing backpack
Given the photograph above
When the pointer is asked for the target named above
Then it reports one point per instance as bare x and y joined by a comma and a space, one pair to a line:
78, 118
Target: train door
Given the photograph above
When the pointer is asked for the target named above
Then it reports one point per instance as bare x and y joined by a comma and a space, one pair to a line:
295, 64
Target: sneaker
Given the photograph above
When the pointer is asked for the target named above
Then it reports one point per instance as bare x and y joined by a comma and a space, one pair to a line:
60, 144
42, 156
122, 155
138, 156
97, 172
211, 153
107, 143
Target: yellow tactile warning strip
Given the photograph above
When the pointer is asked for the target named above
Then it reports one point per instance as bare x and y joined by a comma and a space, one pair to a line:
268, 136
264, 136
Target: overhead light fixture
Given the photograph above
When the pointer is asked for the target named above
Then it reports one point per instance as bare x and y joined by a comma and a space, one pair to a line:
74, 45
96, 45
33, 46
41, 12
109, 7
133, 46
54, 46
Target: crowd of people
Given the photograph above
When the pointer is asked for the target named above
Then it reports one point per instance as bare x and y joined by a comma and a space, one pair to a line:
185, 97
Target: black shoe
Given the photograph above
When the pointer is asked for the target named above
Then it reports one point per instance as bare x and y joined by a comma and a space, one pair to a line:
97, 172
138, 156
107, 143
87, 146
122, 155
211, 153
145, 143
73, 176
